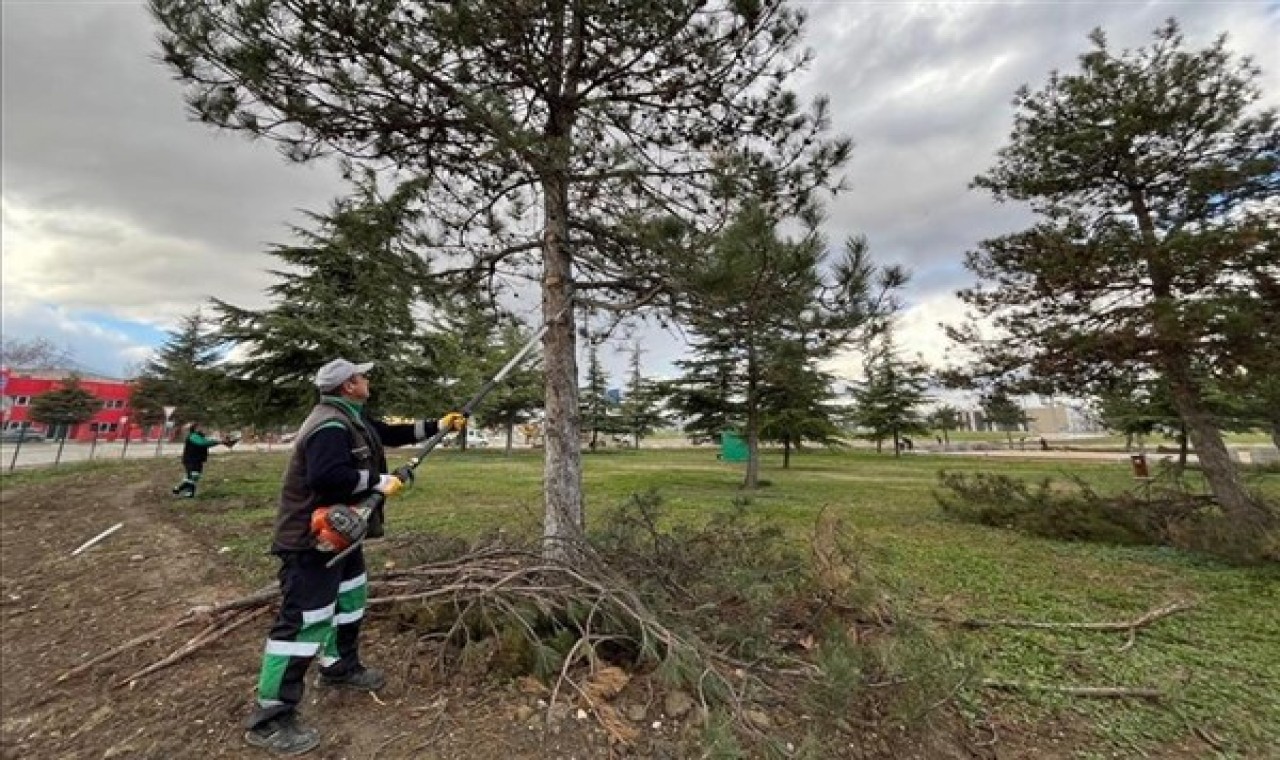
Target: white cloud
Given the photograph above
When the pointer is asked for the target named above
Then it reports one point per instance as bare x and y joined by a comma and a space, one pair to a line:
918, 333
89, 261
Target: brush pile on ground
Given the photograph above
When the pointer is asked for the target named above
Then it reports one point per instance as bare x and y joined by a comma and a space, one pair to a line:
749, 633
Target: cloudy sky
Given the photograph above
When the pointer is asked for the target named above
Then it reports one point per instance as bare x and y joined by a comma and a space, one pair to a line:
120, 215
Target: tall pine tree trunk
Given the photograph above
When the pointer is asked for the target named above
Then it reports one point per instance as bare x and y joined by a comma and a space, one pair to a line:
1172, 346
563, 523
1215, 460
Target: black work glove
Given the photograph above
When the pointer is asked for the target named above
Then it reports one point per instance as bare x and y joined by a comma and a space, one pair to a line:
405, 474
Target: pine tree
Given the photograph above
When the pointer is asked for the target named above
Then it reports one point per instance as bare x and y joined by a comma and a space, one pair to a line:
348, 289
1153, 176
597, 410
184, 373
520, 395
641, 412
547, 139
1003, 412
707, 394
755, 287
887, 403
475, 339
797, 398
945, 419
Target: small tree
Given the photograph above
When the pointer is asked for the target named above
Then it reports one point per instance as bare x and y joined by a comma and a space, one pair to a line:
34, 353
520, 395
1134, 410
1003, 412
944, 419
69, 405
796, 398
641, 412
755, 287
887, 404
597, 409
184, 373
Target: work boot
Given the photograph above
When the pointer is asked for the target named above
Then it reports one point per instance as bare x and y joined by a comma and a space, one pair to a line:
359, 678
283, 736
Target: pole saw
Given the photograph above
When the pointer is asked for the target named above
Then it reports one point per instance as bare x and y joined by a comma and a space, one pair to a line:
342, 528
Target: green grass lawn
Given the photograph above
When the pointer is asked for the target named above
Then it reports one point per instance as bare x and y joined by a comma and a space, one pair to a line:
1219, 663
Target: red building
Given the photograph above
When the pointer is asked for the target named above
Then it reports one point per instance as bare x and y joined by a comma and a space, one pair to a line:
110, 422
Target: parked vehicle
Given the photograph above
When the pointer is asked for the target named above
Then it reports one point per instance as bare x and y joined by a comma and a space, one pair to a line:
475, 440
26, 435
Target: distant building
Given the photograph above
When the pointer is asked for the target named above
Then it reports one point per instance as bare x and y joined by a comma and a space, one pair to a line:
1060, 418
109, 423
1045, 420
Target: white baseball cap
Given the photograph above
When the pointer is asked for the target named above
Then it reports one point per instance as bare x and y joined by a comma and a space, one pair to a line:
339, 371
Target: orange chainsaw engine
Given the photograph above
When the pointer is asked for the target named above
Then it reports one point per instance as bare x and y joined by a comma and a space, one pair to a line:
339, 526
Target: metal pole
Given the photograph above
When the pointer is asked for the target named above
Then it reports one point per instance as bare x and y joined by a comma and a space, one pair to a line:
62, 443
124, 451
93, 445
467, 408
475, 400
160, 440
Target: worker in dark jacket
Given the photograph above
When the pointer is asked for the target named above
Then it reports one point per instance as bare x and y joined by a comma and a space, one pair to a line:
195, 452
338, 458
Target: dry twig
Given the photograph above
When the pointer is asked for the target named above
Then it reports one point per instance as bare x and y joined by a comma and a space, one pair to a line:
1127, 625
210, 634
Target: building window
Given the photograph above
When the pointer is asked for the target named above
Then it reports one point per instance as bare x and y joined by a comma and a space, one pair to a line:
113, 404
102, 427
22, 401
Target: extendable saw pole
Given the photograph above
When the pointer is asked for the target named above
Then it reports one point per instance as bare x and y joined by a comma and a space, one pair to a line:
484, 391
377, 498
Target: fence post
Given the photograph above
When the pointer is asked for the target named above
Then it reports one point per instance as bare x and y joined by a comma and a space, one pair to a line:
93, 445
22, 436
125, 451
62, 444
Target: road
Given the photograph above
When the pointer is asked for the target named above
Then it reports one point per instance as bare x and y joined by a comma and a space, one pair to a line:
46, 453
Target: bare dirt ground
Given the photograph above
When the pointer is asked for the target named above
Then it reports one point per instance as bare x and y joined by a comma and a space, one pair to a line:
58, 611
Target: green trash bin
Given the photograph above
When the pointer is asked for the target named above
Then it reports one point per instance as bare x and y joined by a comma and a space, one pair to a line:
732, 446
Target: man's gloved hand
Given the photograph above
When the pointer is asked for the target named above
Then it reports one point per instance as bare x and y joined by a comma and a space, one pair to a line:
388, 485
453, 422
405, 474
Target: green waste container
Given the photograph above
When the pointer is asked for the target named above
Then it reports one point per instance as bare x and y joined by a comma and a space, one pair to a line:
732, 447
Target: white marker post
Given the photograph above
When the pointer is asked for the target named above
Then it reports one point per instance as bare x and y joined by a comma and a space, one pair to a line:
164, 433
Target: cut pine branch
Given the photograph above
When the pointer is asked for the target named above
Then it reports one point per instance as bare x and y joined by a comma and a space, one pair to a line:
1126, 626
